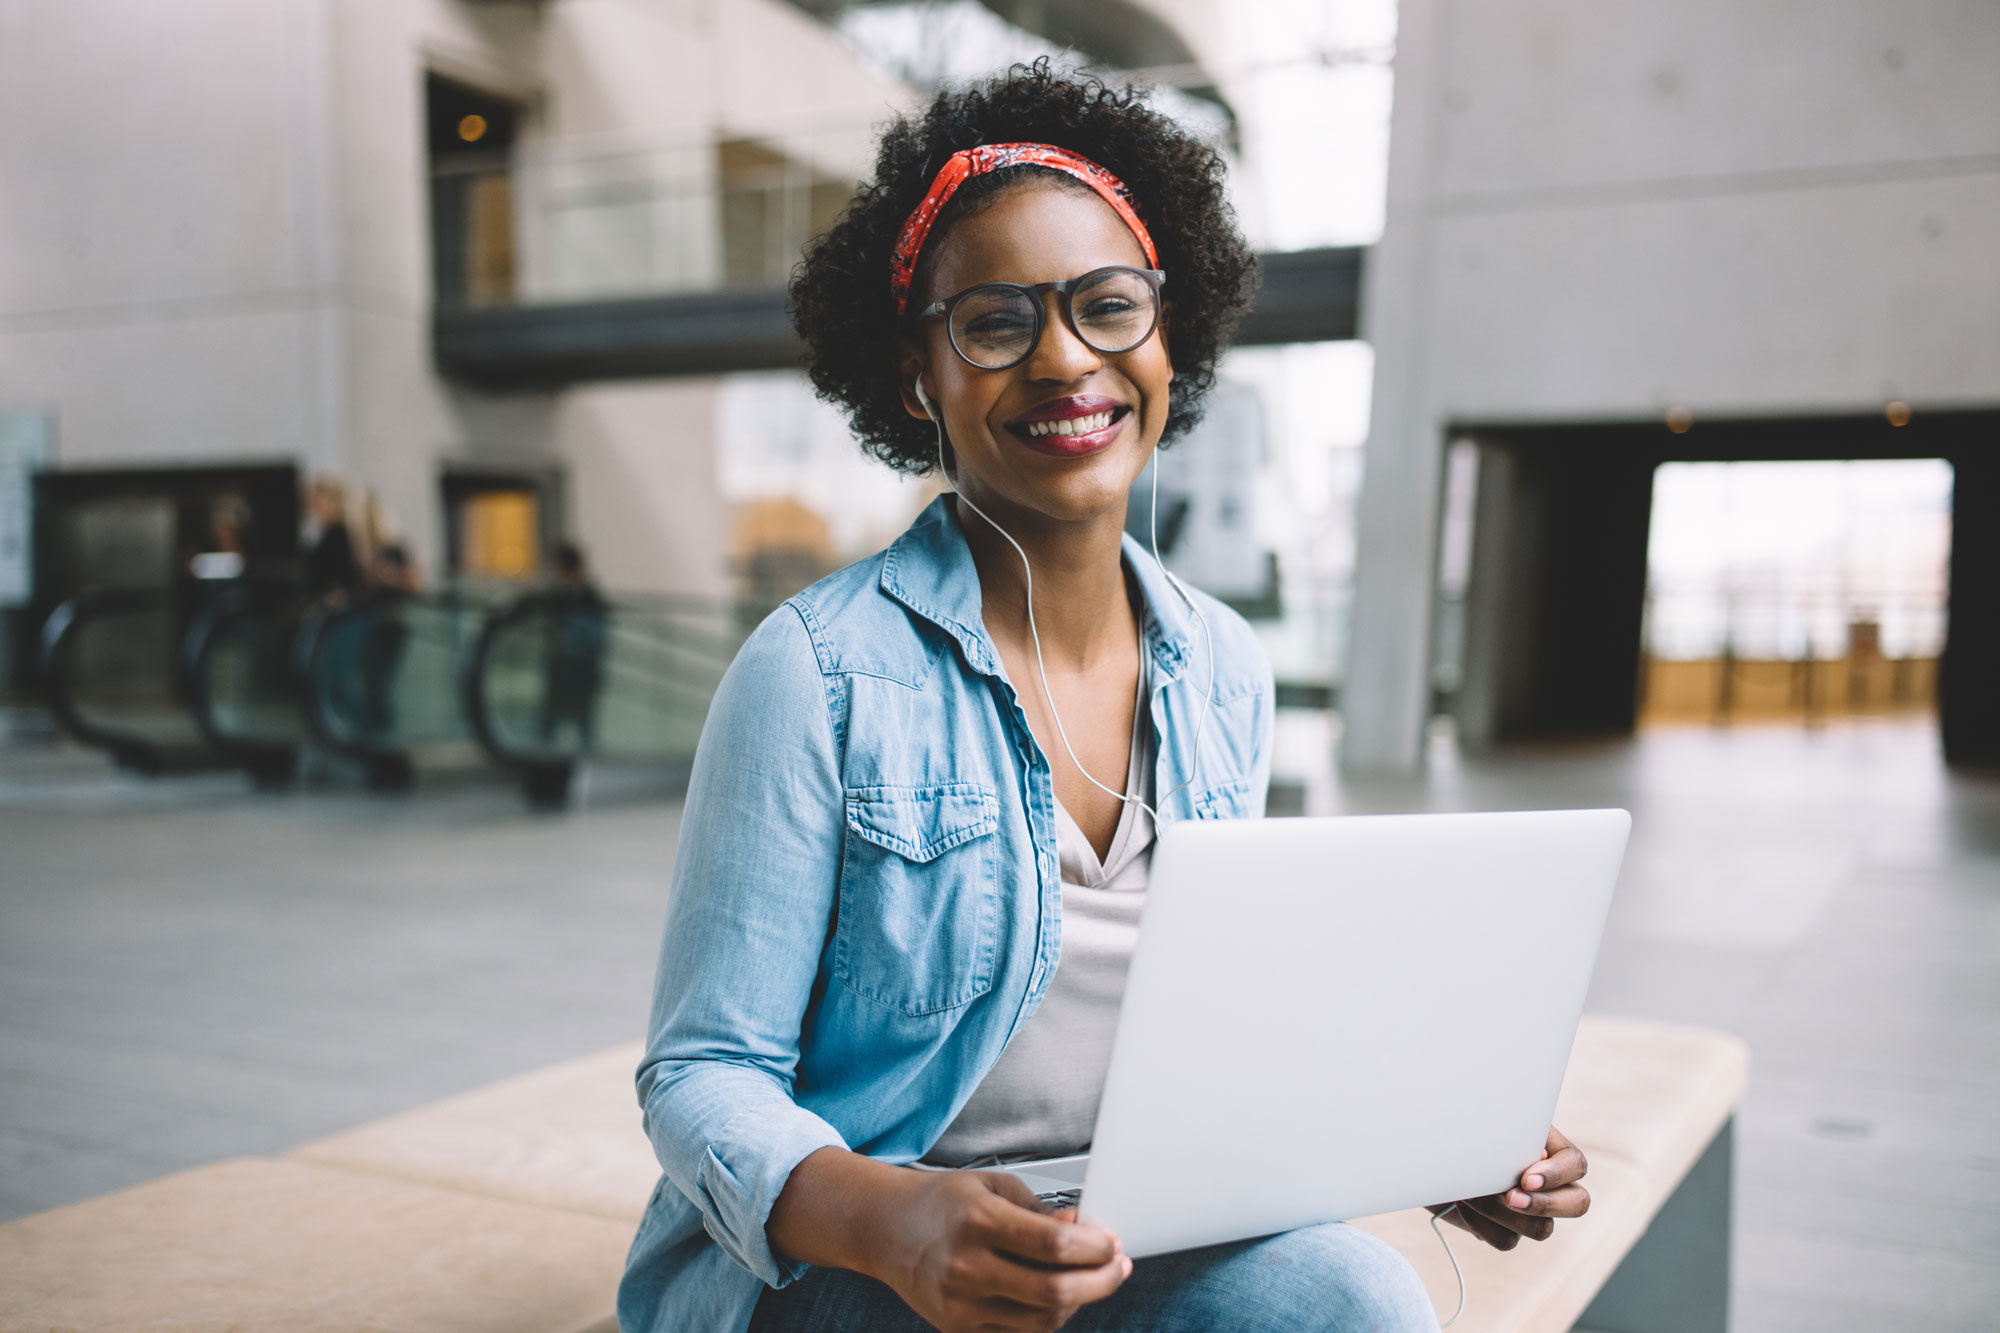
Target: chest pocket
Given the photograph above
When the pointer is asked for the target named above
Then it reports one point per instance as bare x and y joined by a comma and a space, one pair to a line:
918, 921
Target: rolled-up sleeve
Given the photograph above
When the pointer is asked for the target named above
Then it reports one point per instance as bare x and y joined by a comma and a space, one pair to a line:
755, 877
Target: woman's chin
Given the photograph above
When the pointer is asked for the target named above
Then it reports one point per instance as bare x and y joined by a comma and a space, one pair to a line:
1081, 498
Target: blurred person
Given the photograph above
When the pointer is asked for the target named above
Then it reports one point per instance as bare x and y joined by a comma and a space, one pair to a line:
392, 581
574, 667
223, 555
926, 771
332, 569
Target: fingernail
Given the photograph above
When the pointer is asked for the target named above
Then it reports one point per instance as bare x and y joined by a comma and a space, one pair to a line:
1127, 1267
1532, 1182
1516, 1199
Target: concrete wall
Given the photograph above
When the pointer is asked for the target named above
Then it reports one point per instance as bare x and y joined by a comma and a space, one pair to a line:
213, 230
214, 236
1599, 209
165, 262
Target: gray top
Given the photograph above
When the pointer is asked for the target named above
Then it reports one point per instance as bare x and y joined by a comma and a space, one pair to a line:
1040, 1097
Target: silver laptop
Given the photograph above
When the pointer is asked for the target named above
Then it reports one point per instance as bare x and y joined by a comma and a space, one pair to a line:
1331, 1018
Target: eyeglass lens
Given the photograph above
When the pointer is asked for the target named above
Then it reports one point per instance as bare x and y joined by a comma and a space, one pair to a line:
1113, 311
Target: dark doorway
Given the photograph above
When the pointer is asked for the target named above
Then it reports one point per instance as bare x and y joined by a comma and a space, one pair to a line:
470, 136
185, 530
1558, 580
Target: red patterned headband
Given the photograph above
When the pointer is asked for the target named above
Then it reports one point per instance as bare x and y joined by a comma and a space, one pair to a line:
963, 165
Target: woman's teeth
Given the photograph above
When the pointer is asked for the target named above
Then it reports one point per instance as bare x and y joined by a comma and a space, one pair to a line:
1072, 425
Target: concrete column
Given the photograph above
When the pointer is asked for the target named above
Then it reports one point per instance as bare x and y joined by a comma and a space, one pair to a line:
1385, 688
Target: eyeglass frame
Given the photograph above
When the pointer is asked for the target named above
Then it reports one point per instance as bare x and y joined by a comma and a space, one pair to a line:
1155, 278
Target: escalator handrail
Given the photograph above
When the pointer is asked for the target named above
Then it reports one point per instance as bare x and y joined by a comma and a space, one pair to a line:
57, 650
478, 705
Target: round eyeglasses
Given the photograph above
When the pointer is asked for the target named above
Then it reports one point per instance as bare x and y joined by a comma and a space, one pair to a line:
997, 325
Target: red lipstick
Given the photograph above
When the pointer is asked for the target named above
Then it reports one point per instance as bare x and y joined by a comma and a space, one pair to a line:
1074, 426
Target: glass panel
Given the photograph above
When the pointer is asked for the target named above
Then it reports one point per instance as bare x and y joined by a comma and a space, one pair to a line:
248, 678
390, 676
569, 677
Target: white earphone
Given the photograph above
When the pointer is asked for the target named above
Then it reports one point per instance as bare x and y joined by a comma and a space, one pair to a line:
1028, 574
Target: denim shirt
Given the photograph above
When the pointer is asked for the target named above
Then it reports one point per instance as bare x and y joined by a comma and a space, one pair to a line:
866, 902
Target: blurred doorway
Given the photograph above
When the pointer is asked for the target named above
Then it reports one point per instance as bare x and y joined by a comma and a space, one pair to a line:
1559, 636
159, 527
1795, 591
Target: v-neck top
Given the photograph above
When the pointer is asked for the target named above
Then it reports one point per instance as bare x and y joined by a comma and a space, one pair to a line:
1040, 1097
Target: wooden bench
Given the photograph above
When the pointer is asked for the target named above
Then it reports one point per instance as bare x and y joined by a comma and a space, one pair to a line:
255, 1244
510, 1207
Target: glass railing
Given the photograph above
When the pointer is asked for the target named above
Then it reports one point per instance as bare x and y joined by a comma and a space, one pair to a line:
584, 220
563, 678
114, 676
1687, 624
1721, 655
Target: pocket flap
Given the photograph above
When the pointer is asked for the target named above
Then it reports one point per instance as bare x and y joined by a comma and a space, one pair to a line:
922, 823
1225, 800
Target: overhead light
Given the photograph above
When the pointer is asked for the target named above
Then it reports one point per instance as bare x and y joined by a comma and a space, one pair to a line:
1898, 413
472, 129
1679, 419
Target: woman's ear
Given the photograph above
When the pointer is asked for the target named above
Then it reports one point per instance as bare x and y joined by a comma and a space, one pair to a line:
912, 365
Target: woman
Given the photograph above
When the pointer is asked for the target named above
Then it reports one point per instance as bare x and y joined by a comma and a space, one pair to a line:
917, 834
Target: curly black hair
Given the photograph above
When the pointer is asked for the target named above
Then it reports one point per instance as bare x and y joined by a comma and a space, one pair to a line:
841, 302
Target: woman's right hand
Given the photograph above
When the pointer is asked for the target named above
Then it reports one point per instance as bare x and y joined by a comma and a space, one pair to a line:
964, 1249
977, 1252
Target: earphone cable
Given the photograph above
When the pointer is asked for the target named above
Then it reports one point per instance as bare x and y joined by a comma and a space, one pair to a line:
1041, 669
1436, 1220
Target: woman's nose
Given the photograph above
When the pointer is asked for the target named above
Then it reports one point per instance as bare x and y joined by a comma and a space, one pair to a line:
1060, 355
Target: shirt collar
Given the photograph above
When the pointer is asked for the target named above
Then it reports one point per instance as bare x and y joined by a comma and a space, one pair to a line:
930, 570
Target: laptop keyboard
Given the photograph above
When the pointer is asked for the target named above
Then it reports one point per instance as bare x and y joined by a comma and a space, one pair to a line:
1057, 1200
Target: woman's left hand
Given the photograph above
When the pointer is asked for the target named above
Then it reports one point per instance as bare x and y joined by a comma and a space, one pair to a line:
1547, 1190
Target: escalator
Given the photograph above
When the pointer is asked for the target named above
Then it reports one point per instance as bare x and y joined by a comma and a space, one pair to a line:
251, 678
115, 676
560, 678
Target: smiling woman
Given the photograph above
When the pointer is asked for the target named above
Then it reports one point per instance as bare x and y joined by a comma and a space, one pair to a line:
920, 825
843, 301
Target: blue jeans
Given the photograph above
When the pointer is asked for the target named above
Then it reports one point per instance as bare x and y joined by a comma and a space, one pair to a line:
1327, 1279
